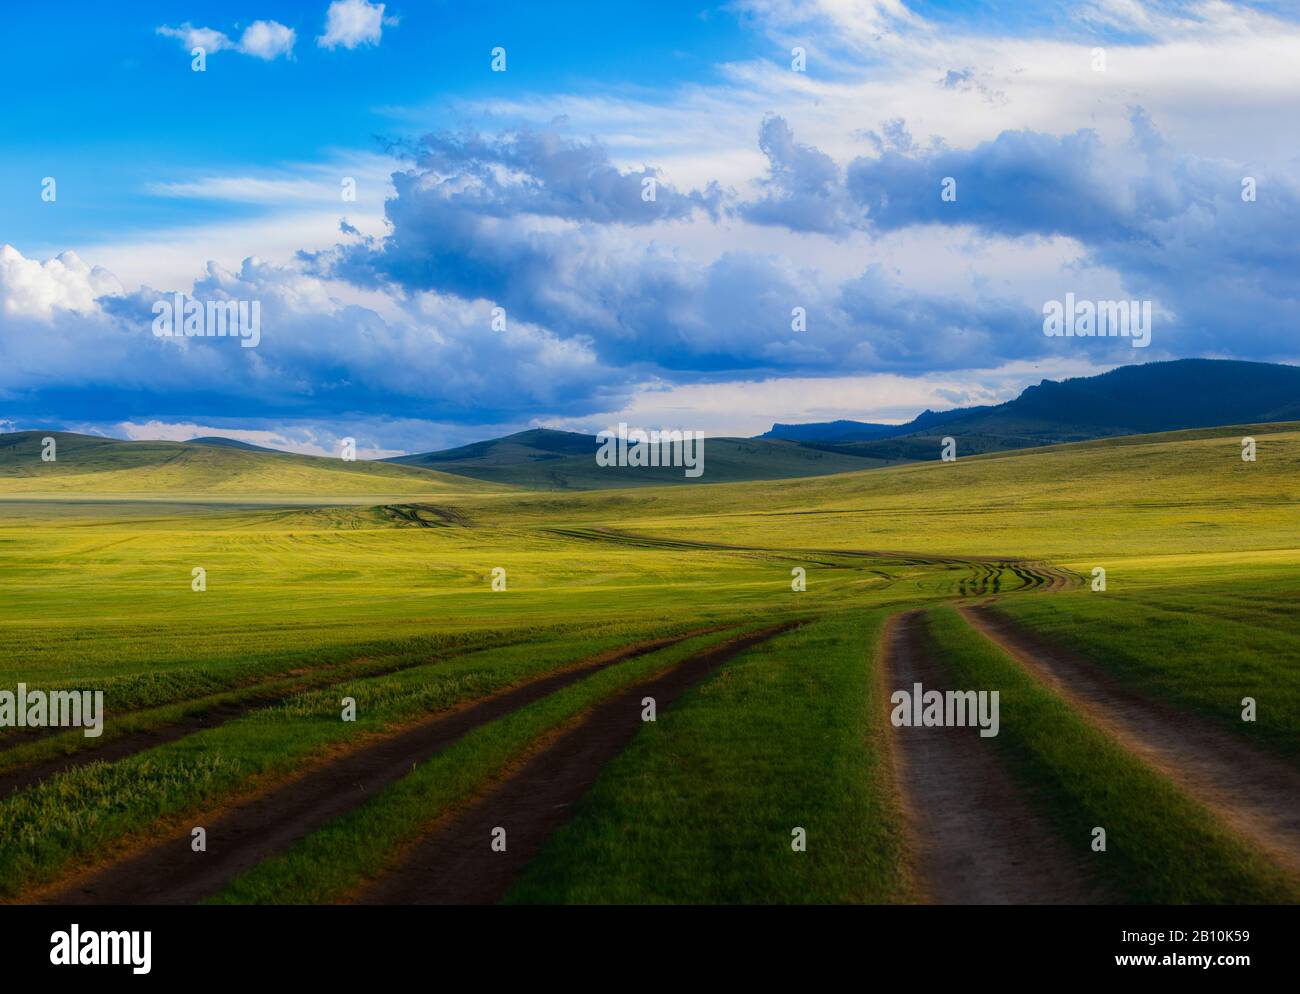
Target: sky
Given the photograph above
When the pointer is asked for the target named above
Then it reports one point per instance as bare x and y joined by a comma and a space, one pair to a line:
461, 220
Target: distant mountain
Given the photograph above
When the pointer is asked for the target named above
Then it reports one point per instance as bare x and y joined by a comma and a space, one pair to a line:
831, 431
1130, 400
864, 431
230, 443
543, 459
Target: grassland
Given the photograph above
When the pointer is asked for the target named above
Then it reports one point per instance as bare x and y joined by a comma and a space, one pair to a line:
1214, 636
327, 579
336, 860
93, 807
539, 459
1161, 847
702, 807
165, 470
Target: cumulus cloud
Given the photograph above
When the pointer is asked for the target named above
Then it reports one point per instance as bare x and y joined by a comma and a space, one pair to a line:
1019, 183
265, 40
33, 289
803, 190
543, 173
350, 23
79, 342
521, 222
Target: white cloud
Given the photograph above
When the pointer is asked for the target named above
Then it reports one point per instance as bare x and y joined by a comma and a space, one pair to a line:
859, 77
30, 288
69, 327
191, 37
265, 40
170, 257
350, 23
307, 440
300, 208
750, 407
296, 182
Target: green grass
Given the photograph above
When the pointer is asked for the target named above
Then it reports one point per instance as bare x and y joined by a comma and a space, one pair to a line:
1168, 494
101, 594
701, 807
314, 566
1201, 646
328, 864
125, 721
86, 464
1162, 847
86, 810
541, 459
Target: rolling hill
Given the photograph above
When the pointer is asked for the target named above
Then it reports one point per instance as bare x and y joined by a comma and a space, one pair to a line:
88, 464
1131, 400
543, 459
229, 443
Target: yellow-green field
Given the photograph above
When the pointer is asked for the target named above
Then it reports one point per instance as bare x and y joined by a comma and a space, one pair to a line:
326, 580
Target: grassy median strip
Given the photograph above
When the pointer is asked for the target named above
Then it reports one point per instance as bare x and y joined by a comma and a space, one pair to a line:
329, 864
1161, 846
702, 806
56, 746
87, 809
1202, 647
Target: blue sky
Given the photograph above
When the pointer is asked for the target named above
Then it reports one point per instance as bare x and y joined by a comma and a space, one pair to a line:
85, 120
520, 193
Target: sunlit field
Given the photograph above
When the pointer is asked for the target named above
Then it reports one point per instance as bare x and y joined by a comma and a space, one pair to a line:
439, 592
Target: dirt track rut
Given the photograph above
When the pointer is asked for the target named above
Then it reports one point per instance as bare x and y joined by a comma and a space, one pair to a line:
1256, 794
455, 863
975, 839
171, 873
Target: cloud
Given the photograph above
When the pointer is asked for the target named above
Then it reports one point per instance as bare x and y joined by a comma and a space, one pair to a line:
543, 173
376, 436
544, 228
967, 81
191, 37
351, 23
803, 190
265, 40
1019, 183
77, 345
40, 290
305, 439
751, 406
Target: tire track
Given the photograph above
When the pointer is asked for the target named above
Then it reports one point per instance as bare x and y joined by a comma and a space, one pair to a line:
454, 864
976, 840
169, 872
123, 746
219, 713
1255, 794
